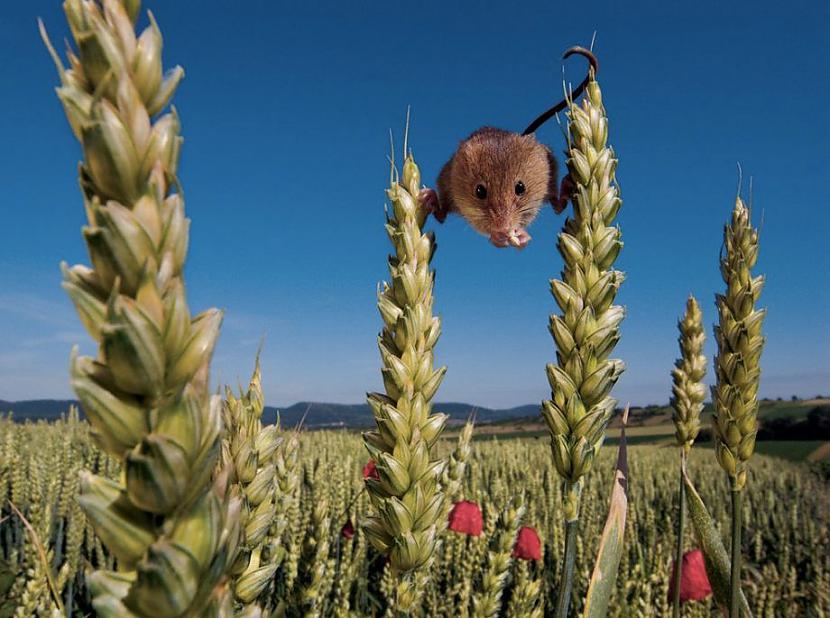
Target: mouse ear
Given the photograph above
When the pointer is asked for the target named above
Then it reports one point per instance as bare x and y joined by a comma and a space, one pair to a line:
530, 140
467, 147
553, 179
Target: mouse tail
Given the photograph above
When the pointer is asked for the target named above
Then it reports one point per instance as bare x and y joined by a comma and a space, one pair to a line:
594, 67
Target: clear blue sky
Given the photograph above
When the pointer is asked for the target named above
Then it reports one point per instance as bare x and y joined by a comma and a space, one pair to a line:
286, 112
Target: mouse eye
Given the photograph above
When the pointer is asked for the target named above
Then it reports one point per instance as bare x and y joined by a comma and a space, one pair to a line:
481, 192
520, 188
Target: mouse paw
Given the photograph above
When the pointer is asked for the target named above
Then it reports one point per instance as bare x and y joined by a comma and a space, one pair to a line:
559, 205
520, 238
566, 191
428, 199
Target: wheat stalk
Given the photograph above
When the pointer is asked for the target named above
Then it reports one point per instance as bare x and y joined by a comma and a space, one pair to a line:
487, 599
249, 448
737, 369
686, 401
588, 328
172, 528
406, 497
452, 478
688, 390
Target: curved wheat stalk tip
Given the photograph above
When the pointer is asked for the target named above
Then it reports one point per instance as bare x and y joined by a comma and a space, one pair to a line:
41, 552
351, 504
301, 422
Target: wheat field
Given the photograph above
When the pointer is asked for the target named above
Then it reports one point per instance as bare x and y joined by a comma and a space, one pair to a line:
786, 522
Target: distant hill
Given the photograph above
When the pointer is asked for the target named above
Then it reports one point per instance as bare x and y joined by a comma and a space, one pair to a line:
318, 414
37, 409
360, 415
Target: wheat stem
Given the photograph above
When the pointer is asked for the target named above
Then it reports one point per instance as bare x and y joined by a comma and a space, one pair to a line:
681, 523
688, 392
588, 329
563, 601
738, 370
735, 577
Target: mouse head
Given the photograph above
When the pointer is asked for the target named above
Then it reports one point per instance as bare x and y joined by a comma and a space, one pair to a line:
499, 180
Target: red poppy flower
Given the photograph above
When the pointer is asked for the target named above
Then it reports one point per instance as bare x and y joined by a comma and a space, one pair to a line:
465, 518
370, 471
694, 584
348, 529
528, 546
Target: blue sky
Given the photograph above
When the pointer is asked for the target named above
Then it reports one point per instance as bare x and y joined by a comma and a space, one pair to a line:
286, 112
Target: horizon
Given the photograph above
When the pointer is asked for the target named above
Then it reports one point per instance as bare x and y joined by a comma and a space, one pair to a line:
283, 168
437, 405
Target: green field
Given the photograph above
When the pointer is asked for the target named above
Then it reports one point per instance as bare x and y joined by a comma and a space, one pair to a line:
791, 450
786, 505
653, 426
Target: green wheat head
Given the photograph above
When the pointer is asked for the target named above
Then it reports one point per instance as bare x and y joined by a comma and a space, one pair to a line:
249, 450
740, 342
452, 478
487, 600
407, 500
171, 527
588, 328
688, 390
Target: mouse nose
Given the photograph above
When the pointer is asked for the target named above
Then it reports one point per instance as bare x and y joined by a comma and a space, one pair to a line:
517, 237
499, 239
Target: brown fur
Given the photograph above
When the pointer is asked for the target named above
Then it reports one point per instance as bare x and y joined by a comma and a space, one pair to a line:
498, 159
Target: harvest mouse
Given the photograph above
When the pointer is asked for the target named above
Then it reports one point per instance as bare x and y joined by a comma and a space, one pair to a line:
498, 180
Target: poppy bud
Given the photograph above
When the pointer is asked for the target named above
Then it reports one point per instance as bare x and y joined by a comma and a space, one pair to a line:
528, 546
370, 471
465, 518
694, 583
347, 531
